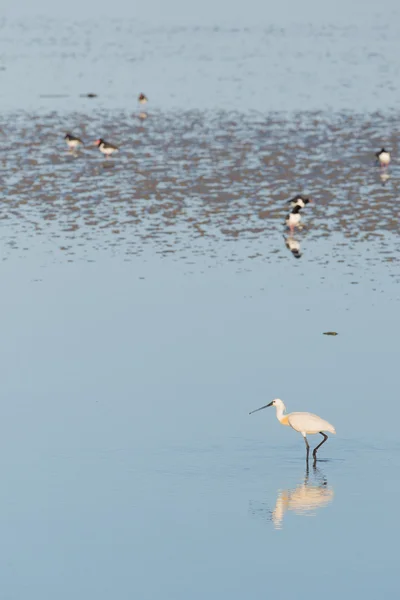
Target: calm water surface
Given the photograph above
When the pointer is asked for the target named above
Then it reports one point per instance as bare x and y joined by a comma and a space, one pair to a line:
150, 302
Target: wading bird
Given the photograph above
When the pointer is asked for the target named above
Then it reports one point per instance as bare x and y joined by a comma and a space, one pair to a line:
293, 219
143, 99
303, 422
105, 147
383, 157
73, 142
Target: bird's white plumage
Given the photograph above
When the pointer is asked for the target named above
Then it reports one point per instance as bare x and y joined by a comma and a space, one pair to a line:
384, 158
305, 422
107, 149
74, 143
293, 219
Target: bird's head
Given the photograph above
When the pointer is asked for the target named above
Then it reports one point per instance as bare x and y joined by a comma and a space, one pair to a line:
98, 142
300, 200
277, 403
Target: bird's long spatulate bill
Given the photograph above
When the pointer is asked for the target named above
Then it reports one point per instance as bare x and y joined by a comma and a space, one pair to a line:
257, 409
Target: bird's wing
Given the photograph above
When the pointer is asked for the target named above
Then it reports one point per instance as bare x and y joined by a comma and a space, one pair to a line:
308, 422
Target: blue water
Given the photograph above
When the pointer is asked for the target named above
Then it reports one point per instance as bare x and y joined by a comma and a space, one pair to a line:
130, 464
285, 57
150, 302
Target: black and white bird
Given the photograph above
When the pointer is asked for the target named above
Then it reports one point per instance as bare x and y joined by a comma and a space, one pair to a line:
73, 142
105, 147
299, 200
383, 157
293, 219
293, 245
142, 99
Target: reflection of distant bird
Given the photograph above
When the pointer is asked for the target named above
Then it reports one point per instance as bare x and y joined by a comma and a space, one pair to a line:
303, 499
384, 176
383, 157
299, 200
303, 422
105, 147
73, 142
293, 245
293, 218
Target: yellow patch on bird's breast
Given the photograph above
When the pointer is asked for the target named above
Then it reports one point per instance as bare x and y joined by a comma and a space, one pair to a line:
285, 420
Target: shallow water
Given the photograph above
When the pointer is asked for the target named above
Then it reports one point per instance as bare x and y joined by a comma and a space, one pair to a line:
150, 302
299, 57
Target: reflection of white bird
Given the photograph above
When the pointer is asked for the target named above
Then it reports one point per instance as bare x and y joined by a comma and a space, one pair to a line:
302, 500
293, 245
303, 422
293, 218
383, 157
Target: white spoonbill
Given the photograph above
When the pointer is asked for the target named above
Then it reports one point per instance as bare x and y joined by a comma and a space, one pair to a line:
303, 422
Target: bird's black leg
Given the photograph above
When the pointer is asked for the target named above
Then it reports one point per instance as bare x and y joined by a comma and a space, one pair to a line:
319, 445
308, 448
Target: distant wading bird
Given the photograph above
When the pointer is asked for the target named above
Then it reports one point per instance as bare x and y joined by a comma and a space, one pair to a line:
383, 157
105, 147
293, 219
73, 142
142, 99
303, 422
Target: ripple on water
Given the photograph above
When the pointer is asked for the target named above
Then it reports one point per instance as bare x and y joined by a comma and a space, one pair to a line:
201, 181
